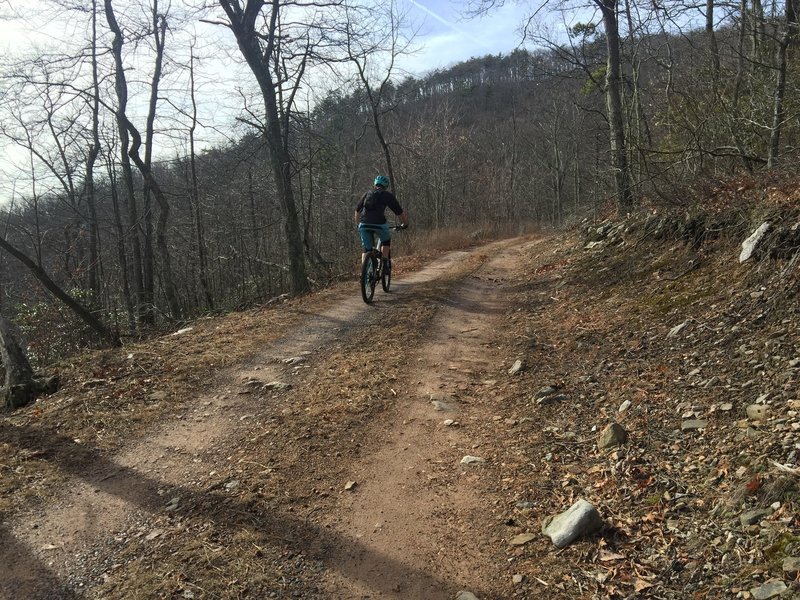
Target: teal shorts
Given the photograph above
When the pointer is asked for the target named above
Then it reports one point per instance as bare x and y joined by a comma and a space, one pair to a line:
368, 231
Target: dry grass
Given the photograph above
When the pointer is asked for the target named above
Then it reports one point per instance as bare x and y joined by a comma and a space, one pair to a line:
454, 238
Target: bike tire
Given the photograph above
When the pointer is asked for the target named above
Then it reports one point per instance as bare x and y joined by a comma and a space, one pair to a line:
386, 278
368, 279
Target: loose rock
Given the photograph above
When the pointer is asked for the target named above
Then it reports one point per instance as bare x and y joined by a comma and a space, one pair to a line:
553, 399
693, 424
278, 386
751, 243
751, 517
544, 392
515, 368
466, 596
677, 329
613, 435
472, 460
771, 589
791, 566
522, 539
579, 519
93, 383
758, 412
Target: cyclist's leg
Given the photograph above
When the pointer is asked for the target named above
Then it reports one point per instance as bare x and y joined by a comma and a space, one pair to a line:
386, 241
367, 240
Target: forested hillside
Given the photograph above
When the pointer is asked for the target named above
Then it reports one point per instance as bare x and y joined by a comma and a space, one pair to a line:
640, 107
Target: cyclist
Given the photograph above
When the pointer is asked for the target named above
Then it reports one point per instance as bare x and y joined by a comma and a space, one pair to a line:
371, 218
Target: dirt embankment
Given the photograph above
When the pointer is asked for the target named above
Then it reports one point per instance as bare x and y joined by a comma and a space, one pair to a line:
313, 450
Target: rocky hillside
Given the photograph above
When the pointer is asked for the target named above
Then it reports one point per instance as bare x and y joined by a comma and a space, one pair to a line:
662, 359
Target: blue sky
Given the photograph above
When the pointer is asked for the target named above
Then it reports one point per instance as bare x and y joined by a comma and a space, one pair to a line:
447, 36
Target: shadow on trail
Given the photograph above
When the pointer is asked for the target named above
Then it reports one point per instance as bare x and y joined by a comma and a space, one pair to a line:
25, 575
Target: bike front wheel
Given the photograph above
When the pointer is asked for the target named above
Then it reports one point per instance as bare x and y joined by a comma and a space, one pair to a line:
368, 270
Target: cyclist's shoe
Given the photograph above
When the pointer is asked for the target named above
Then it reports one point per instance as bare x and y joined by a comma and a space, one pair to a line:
387, 264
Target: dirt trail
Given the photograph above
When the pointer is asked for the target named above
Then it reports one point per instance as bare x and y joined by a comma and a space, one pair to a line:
408, 509
415, 523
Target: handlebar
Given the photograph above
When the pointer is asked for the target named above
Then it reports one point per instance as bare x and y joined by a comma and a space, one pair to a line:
377, 227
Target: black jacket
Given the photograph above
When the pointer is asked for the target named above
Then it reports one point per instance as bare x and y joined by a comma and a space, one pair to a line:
373, 205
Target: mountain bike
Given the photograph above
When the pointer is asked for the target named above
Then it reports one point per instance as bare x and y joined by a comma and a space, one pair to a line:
374, 270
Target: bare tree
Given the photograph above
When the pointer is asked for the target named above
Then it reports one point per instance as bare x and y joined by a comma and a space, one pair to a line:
121, 87
263, 38
616, 121
194, 193
781, 68
91, 160
132, 150
367, 44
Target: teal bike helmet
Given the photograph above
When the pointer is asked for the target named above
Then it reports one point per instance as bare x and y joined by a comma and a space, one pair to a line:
382, 180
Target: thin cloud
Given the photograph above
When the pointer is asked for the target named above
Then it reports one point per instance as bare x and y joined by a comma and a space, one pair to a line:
459, 40
448, 24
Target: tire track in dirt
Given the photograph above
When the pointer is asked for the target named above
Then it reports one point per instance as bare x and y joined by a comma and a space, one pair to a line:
414, 505
47, 549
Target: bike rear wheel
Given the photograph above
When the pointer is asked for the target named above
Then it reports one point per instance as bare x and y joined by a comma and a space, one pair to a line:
386, 276
368, 272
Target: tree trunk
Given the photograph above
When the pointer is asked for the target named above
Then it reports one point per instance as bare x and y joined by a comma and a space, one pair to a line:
737, 89
242, 23
712, 39
161, 225
387, 154
759, 35
159, 24
18, 384
122, 255
616, 122
194, 195
121, 86
94, 151
778, 110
